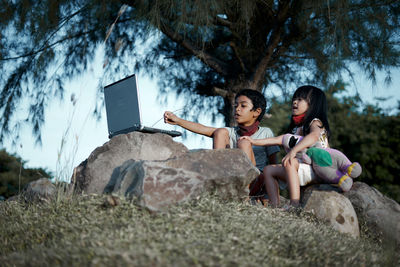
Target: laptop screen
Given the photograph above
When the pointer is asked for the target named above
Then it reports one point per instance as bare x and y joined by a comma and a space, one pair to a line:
122, 105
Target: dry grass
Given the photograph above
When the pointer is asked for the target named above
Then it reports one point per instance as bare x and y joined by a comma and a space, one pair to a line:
208, 232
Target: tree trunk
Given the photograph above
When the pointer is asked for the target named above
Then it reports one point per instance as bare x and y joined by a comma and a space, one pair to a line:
229, 111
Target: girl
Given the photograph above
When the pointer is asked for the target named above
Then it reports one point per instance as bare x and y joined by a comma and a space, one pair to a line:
309, 119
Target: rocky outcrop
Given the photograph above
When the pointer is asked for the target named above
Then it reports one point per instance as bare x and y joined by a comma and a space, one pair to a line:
158, 184
160, 172
93, 174
331, 207
380, 213
41, 190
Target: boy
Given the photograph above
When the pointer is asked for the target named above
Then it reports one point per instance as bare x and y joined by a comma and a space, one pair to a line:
249, 110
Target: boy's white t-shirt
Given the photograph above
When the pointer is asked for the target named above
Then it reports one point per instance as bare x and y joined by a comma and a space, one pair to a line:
261, 153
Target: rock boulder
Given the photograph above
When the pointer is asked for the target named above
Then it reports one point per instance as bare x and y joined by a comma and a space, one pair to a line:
158, 184
41, 190
93, 174
331, 207
380, 213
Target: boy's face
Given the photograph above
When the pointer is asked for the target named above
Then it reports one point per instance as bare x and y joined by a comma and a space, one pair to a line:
244, 115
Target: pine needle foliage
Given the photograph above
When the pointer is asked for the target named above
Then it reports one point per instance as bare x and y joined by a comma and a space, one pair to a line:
205, 50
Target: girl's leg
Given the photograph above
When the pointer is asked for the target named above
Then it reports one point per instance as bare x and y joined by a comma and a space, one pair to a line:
271, 175
292, 178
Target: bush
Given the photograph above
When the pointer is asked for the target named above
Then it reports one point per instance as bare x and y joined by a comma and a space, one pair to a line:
14, 176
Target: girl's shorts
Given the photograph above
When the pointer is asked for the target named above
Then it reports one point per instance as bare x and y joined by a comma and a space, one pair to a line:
306, 174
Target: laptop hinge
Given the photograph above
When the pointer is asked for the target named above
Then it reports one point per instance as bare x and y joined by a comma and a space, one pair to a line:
135, 127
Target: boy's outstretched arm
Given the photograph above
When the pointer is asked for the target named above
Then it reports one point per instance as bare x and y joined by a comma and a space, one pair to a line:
265, 141
195, 127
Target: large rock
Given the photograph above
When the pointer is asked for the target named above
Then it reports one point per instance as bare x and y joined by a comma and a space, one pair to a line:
158, 184
331, 207
41, 190
380, 213
93, 174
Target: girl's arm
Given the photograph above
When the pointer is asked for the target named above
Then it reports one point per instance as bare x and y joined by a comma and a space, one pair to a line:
195, 127
307, 141
265, 141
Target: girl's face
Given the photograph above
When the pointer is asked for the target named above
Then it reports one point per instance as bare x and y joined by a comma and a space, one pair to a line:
299, 106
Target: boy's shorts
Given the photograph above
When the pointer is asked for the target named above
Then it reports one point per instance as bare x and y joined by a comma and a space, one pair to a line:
257, 186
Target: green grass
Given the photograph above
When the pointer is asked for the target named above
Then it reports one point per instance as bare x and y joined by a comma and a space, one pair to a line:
82, 231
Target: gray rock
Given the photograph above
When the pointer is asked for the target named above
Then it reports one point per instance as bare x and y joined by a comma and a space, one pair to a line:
42, 190
158, 184
331, 207
93, 174
380, 213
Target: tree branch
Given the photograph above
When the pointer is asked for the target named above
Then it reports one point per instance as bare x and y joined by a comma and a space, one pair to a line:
272, 44
222, 22
268, 9
206, 58
219, 91
234, 48
44, 47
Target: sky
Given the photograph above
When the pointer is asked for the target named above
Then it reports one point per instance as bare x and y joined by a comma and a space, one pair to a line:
71, 133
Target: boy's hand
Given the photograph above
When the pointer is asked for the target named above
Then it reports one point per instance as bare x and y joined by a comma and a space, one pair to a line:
170, 118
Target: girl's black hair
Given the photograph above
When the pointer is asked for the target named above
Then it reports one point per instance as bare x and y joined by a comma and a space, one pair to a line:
257, 99
317, 107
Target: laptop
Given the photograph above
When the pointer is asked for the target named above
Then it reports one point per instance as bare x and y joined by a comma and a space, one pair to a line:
123, 109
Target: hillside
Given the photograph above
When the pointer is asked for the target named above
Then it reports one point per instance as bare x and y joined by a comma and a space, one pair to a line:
89, 230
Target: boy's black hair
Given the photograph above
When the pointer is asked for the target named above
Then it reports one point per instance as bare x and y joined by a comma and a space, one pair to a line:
317, 107
256, 98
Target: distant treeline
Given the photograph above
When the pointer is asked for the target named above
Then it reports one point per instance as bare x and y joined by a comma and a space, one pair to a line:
14, 176
365, 133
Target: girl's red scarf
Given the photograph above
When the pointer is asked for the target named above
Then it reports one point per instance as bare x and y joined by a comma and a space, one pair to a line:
298, 119
248, 130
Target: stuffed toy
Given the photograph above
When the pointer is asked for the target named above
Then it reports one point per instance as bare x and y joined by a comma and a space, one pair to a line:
329, 164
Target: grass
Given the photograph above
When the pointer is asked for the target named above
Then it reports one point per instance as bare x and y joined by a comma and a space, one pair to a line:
85, 230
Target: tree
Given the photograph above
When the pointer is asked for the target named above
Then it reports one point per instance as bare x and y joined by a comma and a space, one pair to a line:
204, 50
370, 136
14, 176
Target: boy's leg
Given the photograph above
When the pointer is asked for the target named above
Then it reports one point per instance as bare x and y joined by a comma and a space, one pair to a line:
247, 148
271, 174
256, 187
293, 182
220, 138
